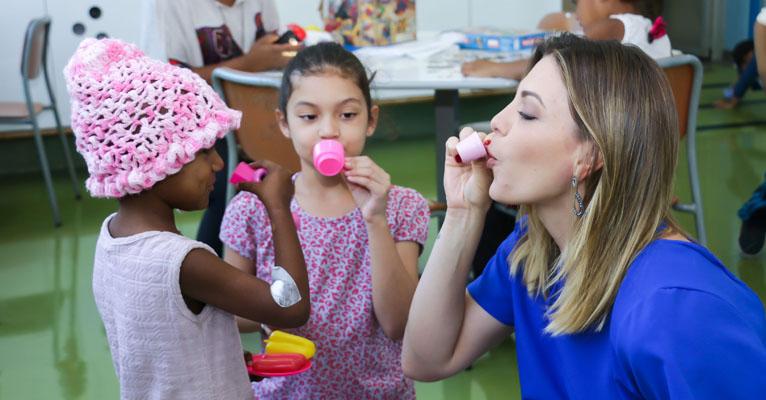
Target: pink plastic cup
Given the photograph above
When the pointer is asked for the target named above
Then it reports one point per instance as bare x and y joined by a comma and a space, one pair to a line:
471, 149
244, 173
329, 157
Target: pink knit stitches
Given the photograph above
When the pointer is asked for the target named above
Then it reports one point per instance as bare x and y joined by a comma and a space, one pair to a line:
138, 120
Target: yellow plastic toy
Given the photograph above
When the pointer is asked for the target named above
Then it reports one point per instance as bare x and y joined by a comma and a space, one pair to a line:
280, 342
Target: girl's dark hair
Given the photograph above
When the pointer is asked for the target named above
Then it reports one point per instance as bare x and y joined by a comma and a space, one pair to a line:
320, 58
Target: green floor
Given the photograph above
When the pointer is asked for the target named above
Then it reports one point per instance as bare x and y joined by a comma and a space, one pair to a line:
52, 344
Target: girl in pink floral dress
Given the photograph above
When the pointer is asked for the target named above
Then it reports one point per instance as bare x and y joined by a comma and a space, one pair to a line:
361, 237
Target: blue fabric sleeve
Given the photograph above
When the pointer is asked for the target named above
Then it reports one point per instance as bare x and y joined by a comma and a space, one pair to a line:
690, 344
493, 289
747, 79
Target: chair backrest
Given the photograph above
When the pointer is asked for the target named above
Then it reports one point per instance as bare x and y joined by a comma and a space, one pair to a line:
33, 56
685, 75
257, 96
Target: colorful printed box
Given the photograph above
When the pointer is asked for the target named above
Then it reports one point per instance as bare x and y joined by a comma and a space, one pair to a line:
370, 22
503, 41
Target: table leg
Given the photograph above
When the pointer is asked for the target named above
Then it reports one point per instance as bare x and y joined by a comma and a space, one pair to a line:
447, 123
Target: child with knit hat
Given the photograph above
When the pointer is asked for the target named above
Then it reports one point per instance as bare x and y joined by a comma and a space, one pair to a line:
146, 130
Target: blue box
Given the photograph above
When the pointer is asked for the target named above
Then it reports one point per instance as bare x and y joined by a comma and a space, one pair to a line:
503, 41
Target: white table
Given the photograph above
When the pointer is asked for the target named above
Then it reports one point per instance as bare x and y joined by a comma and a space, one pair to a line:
446, 81
405, 75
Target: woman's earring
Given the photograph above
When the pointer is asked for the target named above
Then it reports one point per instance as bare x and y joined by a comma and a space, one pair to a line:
579, 207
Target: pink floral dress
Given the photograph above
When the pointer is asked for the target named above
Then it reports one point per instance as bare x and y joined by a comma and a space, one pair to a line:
354, 359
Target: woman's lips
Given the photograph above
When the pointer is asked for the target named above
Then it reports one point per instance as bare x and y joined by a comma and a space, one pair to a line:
491, 160
489, 153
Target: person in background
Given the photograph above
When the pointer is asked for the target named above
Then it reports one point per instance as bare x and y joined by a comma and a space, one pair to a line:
747, 75
206, 34
752, 233
627, 21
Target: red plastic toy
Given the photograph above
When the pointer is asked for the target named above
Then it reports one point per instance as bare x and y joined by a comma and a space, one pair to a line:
294, 32
273, 365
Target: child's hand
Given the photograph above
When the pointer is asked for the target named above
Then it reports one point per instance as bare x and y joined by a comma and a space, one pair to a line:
466, 185
369, 185
265, 54
276, 189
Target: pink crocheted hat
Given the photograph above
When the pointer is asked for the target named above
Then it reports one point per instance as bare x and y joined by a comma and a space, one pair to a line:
137, 120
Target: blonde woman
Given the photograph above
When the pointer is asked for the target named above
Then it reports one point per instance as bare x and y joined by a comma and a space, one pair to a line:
607, 296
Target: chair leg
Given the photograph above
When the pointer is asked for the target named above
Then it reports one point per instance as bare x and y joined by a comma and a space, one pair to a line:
694, 181
700, 224
46, 174
67, 154
231, 163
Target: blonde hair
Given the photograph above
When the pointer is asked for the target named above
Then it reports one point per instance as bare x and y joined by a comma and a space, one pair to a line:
621, 102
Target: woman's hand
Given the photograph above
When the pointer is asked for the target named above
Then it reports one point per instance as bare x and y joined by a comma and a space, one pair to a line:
466, 186
369, 184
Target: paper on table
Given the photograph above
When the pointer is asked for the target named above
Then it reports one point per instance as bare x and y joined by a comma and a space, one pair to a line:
419, 49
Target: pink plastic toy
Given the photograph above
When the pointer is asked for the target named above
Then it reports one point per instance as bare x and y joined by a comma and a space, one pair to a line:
329, 157
297, 220
244, 173
294, 34
471, 149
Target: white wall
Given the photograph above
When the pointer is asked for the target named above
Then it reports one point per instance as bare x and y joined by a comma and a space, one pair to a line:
119, 19
122, 19
510, 14
737, 22
13, 25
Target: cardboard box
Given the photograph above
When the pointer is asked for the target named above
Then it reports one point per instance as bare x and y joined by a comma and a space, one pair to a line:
369, 22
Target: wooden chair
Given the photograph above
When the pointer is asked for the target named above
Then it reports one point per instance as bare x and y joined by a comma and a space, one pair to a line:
259, 137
